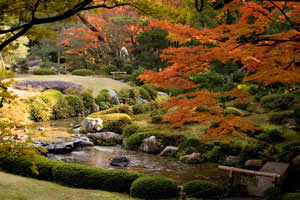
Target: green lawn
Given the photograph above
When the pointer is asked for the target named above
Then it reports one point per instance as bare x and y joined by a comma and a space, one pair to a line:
96, 83
14, 187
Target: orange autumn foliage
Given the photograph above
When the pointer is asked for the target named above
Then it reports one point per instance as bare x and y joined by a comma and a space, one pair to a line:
267, 58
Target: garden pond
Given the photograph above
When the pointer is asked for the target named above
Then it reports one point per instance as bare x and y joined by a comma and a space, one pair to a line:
100, 156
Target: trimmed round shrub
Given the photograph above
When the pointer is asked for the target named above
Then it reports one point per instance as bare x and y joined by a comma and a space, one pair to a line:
39, 110
100, 98
113, 122
51, 97
104, 106
62, 109
271, 136
278, 101
154, 187
131, 129
44, 71
202, 189
88, 100
76, 105
144, 94
83, 72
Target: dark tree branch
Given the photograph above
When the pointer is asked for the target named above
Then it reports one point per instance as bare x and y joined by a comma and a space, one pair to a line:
90, 26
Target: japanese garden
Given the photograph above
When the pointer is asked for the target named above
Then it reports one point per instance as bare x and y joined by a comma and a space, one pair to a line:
149, 99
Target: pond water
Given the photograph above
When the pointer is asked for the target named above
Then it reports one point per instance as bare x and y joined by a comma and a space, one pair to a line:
100, 156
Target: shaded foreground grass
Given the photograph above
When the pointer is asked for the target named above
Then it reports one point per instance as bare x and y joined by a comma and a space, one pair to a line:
95, 83
14, 187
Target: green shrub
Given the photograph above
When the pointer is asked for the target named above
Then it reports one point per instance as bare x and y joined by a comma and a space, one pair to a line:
83, 72
103, 96
121, 108
51, 97
271, 136
76, 104
165, 139
202, 189
113, 122
211, 81
289, 151
150, 90
104, 106
215, 155
192, 145
134, 76
278, 101
131, 129
242, 106
44, 71
73, 175
100, 98
280, 118
62, 109
39, 110
156, 116
111, 68
144, 93
128, 68
139, 108
88, 100
154, 187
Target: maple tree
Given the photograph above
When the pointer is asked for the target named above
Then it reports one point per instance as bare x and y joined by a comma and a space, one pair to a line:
268, 56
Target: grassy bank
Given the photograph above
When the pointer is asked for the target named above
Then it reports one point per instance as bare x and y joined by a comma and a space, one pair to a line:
20, 188
94, 82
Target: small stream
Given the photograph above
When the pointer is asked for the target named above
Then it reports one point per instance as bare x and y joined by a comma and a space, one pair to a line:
100, 156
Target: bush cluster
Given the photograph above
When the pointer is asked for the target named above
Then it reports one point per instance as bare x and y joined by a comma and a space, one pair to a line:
192, 145
278, 101
281, 117
202, 189
62, 109
140, 108
51, 97
271, 136
144, 94
152, 92
44, 71
154, 187
76, 105
83, 72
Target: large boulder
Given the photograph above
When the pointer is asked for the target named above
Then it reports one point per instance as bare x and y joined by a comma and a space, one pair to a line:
254, 164
91, 125
120, 161
84, 142
169, 151
105, 138
150, 145
193, 158
114, 97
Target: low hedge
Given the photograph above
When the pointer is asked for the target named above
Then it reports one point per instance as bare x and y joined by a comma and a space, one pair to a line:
73, 175
154, 187
113, 122
44, 71
202, 189
278, 101
83, 72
